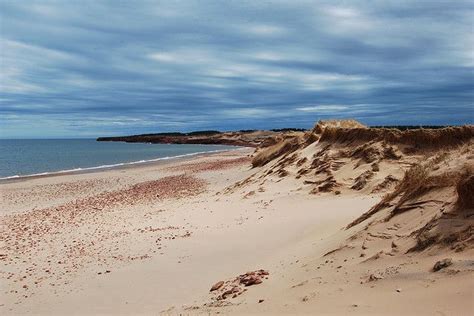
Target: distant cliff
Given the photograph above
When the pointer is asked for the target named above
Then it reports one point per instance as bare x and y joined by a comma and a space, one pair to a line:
247, 138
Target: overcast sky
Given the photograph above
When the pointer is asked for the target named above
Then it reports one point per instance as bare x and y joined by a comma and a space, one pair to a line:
91, 68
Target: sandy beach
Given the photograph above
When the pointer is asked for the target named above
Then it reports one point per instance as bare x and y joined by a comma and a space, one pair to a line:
155, 238
236, 158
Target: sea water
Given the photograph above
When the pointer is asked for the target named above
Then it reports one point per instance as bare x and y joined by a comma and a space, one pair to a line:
27, 157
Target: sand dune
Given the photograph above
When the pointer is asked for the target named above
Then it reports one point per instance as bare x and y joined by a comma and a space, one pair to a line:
340, 219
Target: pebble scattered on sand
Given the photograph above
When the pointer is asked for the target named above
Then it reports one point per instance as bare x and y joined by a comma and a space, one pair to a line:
439, 265
78, 234
235, 287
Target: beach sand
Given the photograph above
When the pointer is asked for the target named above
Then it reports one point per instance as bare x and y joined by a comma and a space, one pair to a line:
155, 238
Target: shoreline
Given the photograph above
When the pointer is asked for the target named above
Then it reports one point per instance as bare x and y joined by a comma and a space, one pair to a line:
118, 166
162, 222
153, 238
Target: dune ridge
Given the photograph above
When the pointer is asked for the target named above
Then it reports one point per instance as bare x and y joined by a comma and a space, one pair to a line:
419, 138
424, 219
408, 165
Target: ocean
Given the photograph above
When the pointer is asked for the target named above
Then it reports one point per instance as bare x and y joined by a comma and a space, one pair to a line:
27, 157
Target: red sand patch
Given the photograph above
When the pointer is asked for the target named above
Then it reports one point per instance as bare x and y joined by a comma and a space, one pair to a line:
79, 234
212, 165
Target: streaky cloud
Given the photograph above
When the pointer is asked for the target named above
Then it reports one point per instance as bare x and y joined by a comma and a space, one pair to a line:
72, 69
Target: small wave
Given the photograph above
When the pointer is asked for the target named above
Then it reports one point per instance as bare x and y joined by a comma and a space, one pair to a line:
112, 165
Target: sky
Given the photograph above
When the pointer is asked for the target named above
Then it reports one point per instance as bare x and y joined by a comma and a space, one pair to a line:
101, 68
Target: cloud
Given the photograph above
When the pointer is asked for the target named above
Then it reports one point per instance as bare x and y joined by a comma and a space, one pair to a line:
251, 113
264, 30
71, 69
323, 108
164, 57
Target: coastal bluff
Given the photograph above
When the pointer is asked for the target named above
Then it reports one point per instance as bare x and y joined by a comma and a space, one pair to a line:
246, 138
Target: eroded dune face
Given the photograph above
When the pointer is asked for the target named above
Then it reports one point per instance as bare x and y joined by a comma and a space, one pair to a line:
420, 232
431, 208
426, 175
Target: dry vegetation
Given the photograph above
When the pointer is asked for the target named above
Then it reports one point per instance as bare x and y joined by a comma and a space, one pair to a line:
275, 147
268, 154
443, 188
418, 138
435, 167
465, 189
321, 125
